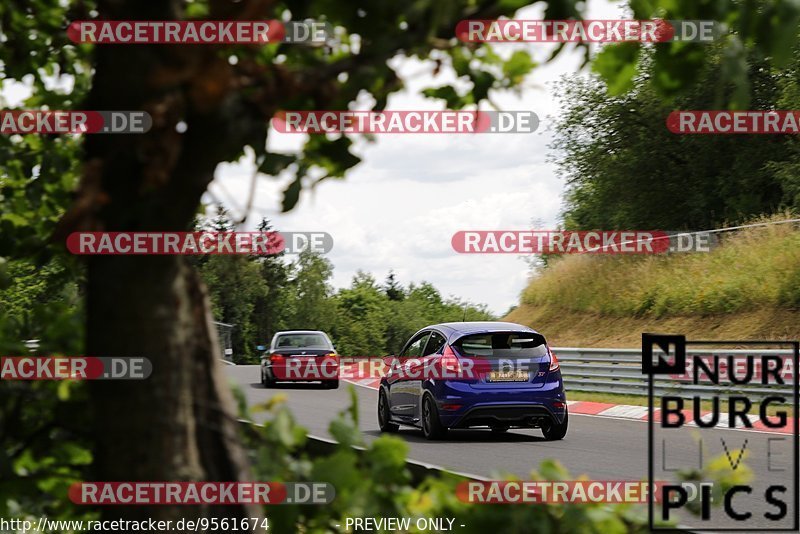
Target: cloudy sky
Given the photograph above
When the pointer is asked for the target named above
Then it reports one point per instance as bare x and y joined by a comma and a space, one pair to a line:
399, 208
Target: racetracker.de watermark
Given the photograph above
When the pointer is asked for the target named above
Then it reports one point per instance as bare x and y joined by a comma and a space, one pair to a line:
567, 242
74, 368
200, 493
553, 492
587, 31
405, 122
334, 367
198, 32
198, 243
74, 122
149, 524
734, 122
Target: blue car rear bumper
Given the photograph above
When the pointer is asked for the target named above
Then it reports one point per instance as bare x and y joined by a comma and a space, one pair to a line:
464, 405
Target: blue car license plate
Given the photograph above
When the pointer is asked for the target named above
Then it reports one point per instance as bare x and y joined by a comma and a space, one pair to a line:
509, 376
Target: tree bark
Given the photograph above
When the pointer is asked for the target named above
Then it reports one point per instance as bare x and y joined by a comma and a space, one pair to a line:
179, 424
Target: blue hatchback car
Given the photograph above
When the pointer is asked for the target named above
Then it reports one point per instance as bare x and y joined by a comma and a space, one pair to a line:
474, 374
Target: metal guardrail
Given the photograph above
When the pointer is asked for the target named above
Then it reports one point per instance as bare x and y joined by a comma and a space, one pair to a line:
620, 371
224, 332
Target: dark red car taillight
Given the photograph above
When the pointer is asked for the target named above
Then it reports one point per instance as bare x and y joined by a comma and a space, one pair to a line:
330, 361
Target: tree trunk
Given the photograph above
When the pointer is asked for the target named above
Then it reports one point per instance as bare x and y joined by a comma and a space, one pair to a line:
180, 423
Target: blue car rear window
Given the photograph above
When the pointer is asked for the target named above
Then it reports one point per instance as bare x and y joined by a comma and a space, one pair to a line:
503, 345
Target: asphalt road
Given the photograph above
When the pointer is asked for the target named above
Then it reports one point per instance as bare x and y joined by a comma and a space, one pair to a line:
602, 448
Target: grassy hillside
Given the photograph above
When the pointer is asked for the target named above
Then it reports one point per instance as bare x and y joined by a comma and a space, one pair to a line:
748, 288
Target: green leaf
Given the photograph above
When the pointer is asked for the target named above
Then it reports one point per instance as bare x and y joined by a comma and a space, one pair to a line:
274, 163
332, 155
642, 9
13, 218
447, 93
353, 409
562, 10
387, 456
482, 82
519, 65
616, 64
343, 432
292, 194
341, 470
63, 390
553, 470
196, 10
282, 428
460, 60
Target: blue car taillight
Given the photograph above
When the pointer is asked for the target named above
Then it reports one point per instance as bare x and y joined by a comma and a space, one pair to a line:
449, 361
554, 366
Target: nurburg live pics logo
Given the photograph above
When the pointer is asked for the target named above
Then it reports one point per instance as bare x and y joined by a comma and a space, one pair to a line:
758, 435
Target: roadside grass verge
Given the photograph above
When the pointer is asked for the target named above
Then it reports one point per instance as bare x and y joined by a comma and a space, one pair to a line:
752, 268
636, 400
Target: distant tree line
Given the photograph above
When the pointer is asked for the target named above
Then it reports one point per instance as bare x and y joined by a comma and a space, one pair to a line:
263, 295
625, 169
